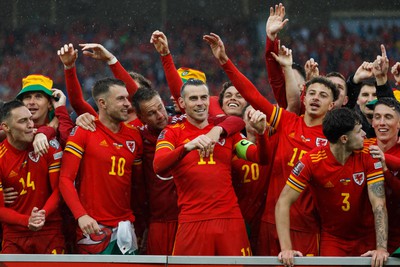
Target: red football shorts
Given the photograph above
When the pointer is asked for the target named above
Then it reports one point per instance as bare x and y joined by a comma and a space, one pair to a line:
217, 237
161, 237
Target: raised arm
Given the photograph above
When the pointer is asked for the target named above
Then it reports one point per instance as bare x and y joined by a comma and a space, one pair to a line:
285, 60
99, 52
274, 25
364, 71
68, 56
242, 84
160, 42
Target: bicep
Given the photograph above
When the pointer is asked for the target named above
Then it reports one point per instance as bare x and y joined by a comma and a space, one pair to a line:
376, 193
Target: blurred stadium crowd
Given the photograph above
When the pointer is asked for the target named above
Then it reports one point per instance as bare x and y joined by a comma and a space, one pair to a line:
32, 49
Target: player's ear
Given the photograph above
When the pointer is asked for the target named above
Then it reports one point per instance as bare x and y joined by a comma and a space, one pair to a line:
344, 138
5, 127
181, 102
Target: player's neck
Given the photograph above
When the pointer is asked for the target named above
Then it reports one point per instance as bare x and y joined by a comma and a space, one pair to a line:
197, 123
340, 152
312, 121
385, 145
113, 125
17, 144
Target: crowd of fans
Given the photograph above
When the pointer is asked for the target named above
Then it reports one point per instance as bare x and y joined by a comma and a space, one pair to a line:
32, 49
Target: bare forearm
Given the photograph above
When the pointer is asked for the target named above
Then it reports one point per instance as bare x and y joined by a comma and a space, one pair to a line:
381, 226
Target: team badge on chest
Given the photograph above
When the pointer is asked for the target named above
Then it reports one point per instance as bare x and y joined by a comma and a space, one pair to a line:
34, 157
321, 141
358, 178
131, 145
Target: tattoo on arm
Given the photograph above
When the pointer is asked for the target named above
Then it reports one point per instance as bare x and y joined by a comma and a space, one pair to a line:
381, 226
378, 189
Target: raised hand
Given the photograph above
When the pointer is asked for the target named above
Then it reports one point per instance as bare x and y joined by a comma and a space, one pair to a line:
96, 51
160, 42
276, 21
68, 55
363, 72
311, 69
217, 47
59, 99
396, 72
381, 67
284, 57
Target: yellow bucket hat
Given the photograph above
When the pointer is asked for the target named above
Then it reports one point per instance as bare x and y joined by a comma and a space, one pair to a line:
36, 83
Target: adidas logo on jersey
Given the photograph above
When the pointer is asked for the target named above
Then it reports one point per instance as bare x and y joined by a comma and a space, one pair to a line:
329, 185
12, 174
103, 143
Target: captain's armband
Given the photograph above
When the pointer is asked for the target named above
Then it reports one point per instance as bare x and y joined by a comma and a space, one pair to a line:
241, 148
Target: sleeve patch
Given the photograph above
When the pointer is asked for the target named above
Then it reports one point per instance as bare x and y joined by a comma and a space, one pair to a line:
58, 155
298, 168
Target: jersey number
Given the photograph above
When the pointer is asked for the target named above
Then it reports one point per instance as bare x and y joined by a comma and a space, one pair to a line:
203, 162
120, 166
346, 203
26, 184
246, 250
294, 158
255, 172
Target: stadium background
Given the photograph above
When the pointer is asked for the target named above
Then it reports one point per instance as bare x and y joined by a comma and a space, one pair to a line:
338, 34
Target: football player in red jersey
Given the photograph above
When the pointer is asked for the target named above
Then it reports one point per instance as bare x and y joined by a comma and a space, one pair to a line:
202, 173
294, 137
101, 164
345, 181
32, 222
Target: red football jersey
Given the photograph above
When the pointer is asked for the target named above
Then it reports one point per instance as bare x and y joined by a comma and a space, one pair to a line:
292, 139
340, 191
103, 161
35, 178
250, 181
161, 191
204, 185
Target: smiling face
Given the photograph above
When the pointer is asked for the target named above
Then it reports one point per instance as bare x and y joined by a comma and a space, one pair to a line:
232, 102
116, 104
386, 123
195, 100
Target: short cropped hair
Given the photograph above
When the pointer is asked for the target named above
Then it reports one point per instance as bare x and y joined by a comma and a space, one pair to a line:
7, 107
140, 79
191, 81
327, 83
143, 94
102, 86
390, 102
338, 122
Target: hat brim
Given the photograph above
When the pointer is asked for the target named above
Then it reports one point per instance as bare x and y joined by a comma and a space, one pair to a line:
371, 104
34, 88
